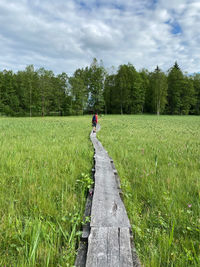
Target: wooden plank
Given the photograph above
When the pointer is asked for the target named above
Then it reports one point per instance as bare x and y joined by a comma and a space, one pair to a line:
103, 250
108, 211
109, 242
107, 208
97, 248
87, 213
113, 247
125, 248
81, 255
109, 247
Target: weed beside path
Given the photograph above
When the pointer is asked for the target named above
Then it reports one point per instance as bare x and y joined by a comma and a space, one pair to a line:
158, 162
44, 168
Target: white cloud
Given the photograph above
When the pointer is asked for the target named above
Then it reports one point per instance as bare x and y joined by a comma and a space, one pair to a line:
64, 35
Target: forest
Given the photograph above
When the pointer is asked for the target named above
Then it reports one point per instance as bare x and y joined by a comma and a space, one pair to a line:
94, 89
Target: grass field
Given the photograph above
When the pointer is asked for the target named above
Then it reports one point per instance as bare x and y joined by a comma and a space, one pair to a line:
45, 167
158, 160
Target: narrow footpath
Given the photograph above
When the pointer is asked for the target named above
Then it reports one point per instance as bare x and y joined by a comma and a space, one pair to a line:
110, 239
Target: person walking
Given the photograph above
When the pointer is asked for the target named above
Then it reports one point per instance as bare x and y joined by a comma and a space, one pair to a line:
94, 122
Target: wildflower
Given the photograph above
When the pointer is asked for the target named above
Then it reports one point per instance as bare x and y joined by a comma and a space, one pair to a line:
189, 205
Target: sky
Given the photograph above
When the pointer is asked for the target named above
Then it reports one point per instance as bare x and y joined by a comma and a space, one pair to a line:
63, 35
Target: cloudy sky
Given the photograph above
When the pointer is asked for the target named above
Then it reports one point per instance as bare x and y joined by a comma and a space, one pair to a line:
63, 35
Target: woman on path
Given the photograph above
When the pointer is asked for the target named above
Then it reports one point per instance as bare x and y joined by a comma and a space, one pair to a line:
94, 122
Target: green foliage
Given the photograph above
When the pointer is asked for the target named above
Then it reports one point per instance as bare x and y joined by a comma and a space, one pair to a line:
175, 80
196, 84
96, 77
158, 163
125, 91
129, 91
83, 183
158, 87
45, 167
187, 96
137, 96
180, 92
33, 93
109, 94
79, 91
41, 93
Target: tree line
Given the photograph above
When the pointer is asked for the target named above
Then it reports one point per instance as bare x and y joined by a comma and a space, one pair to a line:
128, 91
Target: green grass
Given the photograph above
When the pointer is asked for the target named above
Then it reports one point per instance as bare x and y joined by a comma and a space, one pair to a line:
158, 160
45, 164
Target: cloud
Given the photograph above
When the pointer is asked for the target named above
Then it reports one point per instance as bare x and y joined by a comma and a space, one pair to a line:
64, 35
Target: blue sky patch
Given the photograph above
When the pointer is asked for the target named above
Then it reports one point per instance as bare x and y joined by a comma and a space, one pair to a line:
175, 27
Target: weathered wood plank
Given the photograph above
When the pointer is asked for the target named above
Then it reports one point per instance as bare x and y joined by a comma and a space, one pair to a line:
107, 207
81, 255
86, 226
97, 248
113, 247
125, 248
109, 247
109, 242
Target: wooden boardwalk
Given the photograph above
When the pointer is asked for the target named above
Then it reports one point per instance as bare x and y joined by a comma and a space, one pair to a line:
109, 242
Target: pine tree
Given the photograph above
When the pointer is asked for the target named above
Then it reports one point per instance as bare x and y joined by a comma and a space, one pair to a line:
1, 93
138, 94
10, 101
187, 95
158, 83
196, 85
175, 82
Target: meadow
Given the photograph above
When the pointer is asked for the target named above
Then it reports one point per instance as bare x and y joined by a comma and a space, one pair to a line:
45, 169
158, 161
